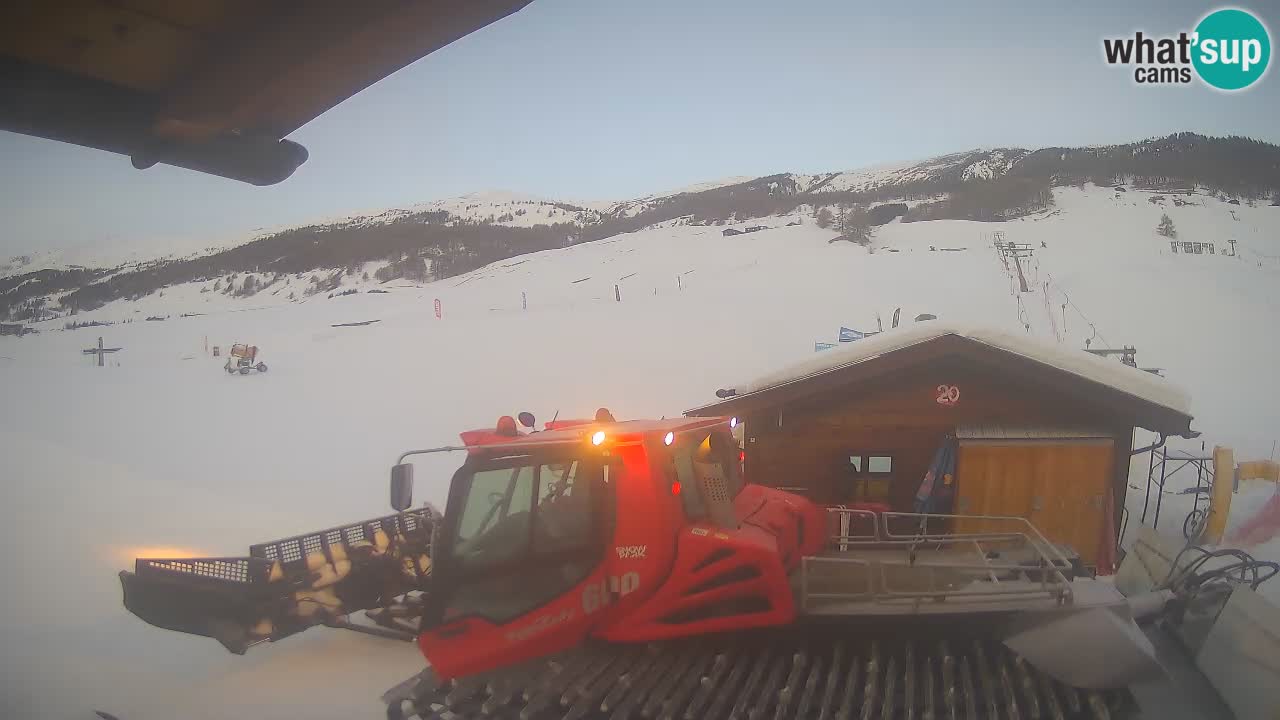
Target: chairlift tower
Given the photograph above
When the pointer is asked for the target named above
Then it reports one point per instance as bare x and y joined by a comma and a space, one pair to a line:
1015, 251
101, 352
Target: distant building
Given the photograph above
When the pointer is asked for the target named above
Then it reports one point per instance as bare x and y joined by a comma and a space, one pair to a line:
755, 228
1192, 248
728, 232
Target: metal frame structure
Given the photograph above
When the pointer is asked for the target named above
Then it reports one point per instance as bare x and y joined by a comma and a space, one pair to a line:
1015, 251
1194, 522
887, 557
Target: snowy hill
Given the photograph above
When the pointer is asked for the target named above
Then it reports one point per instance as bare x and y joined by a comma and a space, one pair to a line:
501, 208
447, 237
164, 453
971, 165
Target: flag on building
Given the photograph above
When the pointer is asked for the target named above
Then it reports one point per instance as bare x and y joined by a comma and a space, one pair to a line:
939, 484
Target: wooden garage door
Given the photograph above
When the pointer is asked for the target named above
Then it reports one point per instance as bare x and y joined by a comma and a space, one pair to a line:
1060, 486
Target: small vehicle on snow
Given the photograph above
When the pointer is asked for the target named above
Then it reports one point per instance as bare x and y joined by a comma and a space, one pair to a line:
242, 359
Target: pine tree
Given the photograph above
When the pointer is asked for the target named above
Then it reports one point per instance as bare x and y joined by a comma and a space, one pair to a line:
1166, 228
824, 218
249, 287
856, 226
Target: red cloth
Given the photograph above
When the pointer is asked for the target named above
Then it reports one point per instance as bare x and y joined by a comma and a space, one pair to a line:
1264, 525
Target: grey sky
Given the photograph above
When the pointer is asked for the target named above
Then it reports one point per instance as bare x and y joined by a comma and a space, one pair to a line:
605, 99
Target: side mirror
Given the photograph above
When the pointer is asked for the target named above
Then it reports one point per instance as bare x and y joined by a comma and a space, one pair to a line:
402, 486
526, 419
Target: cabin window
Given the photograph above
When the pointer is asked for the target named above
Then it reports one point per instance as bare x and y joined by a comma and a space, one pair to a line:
528, 529
713, 455
493, 527
690, 496
879, 464
562, 519
516, 510
867, 478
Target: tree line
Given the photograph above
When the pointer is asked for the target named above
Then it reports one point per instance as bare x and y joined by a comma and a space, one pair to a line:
413, 244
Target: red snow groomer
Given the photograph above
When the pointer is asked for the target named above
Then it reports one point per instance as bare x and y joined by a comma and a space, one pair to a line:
243, 358
626, 569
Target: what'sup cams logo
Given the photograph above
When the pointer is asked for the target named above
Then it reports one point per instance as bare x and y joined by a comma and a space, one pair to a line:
1229, 50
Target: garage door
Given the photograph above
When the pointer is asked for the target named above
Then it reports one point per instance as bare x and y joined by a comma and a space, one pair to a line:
1060, 486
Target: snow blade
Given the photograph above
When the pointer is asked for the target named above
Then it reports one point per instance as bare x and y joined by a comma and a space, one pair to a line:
200, 605
286, 586
1096, 647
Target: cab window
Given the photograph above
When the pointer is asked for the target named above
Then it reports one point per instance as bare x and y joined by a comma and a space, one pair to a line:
528, 530
710, 455
493, 527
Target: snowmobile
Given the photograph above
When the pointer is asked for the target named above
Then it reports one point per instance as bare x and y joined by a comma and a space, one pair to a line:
242, 359
622, 569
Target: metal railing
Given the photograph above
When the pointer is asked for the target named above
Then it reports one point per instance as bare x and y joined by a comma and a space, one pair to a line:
963, 570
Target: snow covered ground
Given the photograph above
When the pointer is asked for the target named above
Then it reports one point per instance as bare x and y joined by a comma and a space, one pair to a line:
163, 452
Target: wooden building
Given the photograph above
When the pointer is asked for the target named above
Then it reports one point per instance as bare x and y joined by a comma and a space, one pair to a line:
1043, 432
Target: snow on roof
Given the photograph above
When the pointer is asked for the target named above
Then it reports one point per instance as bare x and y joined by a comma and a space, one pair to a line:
1114, 374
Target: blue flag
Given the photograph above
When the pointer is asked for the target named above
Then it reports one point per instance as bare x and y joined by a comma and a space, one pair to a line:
849, 334
938, 486
820, 346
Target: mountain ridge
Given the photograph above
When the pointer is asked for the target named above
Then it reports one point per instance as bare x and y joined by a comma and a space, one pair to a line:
442, 238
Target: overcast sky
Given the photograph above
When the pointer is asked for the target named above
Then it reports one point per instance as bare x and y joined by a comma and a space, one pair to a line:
608, 99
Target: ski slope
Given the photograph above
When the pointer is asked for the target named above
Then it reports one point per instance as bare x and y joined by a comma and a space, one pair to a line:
164, 453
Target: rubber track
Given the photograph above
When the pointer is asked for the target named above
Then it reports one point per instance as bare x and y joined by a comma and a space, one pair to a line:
772, 676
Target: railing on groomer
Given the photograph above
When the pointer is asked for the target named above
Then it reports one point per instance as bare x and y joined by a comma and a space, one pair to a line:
871, 562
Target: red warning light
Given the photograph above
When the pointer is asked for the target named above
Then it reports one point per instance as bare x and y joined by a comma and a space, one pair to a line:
507, 426
675, 487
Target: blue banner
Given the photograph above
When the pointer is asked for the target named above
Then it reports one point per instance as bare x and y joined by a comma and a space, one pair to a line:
938, 487
849, 334
820, 346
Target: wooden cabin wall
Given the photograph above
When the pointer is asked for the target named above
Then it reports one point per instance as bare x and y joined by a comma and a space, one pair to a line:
902, 416
1060, 485
887, 408
814, 455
